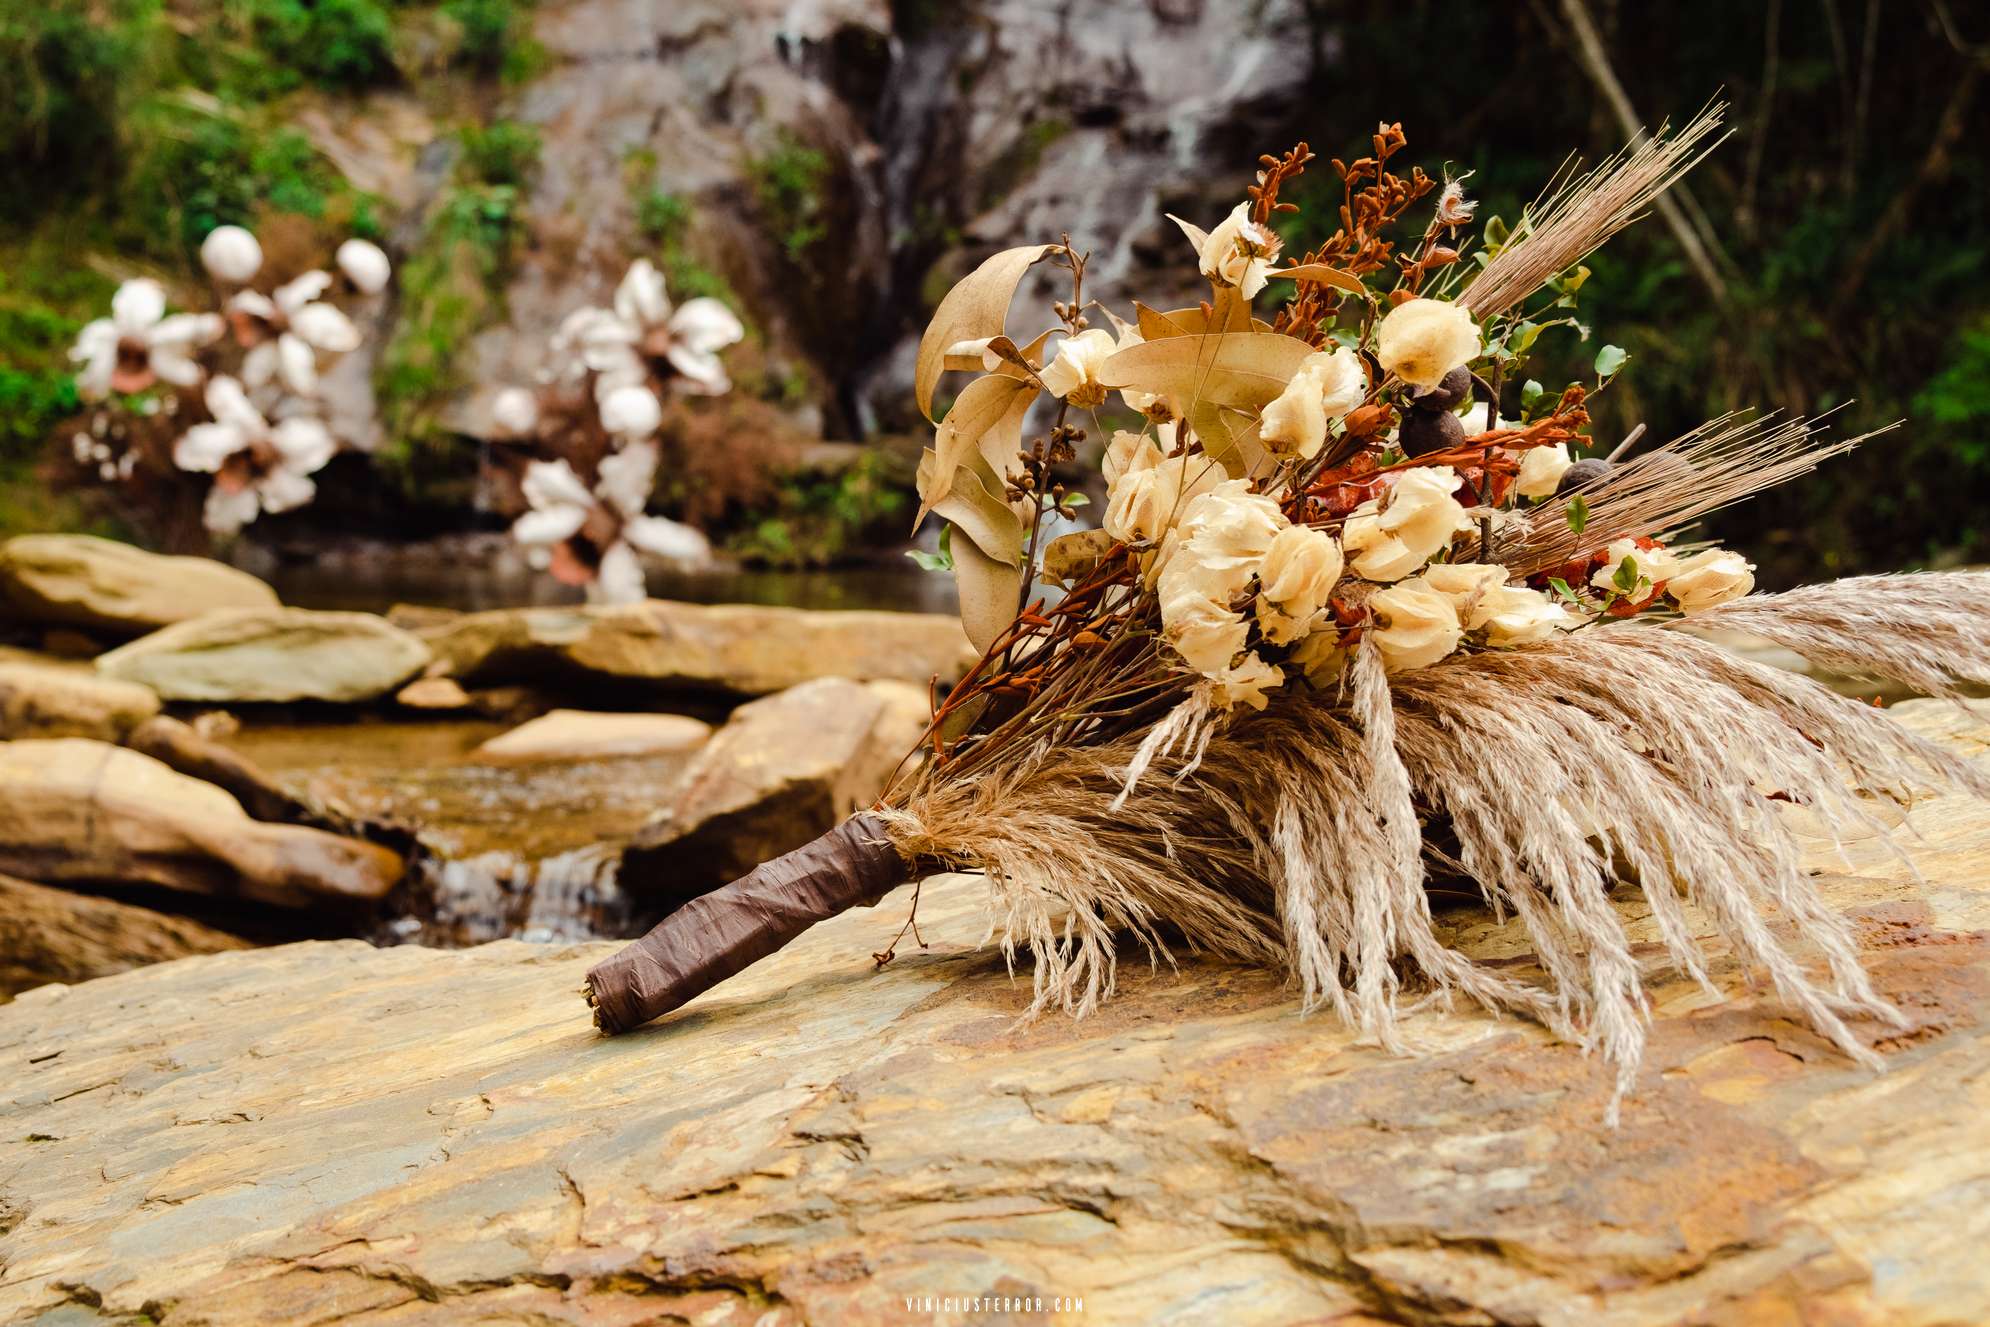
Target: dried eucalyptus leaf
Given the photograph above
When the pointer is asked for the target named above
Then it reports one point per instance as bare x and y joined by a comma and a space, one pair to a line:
1321, 274
974, 310
974, 503
988, 590
986, 420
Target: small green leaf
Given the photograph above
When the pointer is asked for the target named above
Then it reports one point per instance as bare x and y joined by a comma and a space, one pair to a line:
1561, 588
1531, 392
1073, 501
1495, 232
1609, 359
1521, 339
940, 561
1578, 513
1626, 575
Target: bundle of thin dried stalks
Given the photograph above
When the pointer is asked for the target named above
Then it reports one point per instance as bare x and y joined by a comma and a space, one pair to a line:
1577, 213
1303, 835
1716, 465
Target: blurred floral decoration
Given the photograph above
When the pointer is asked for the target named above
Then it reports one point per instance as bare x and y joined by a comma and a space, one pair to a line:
233, 393
584, 442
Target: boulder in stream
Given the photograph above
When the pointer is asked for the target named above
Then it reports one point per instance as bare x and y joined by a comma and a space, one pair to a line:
78, 811
82, 581
745, 649
67, 700
587, 735
271, 654
53, 935
782, 770
332, 1133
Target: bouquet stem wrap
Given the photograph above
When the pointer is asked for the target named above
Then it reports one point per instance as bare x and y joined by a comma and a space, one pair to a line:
723, 932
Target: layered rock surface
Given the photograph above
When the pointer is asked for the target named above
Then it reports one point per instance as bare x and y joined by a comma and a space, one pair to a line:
73, 810
80, 580
784, 769
326, 1132
745, 649
273, 654
53, 935
51, 700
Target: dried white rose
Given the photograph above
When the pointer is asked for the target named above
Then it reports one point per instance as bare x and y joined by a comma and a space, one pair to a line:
1205, 633
230, 253
1295, 580
1651, 565
1470, 586
1129, 453
645, 331
1421, 340
1516, 615
1073, 373
1146, 503
1413, 625
1239, 252
1541, 469
1388, 541
1244, 683
1709, 578
1327, 385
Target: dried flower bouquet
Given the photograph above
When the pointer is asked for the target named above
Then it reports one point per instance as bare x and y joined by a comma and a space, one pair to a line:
1346, 624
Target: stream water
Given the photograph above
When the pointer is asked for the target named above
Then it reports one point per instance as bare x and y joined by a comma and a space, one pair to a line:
507, 850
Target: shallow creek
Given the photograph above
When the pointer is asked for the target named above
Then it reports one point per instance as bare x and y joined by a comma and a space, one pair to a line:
509, 850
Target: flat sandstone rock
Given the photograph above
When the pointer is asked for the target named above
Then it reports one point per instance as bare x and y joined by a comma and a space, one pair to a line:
745, 649
328, 1132
588, 735
80, 580
76, 811
273, 654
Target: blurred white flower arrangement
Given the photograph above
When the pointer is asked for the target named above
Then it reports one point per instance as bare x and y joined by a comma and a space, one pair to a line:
586, 436
176, 392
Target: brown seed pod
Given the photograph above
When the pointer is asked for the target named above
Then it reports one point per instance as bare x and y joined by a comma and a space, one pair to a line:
1453, 391
1425, 431
1582, 474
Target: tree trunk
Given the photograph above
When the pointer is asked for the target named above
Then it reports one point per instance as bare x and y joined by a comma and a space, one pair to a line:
722, 933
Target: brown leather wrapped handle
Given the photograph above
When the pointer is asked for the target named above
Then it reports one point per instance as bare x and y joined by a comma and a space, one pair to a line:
724, 932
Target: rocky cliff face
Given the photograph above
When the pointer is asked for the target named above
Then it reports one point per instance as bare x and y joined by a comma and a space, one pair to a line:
327, 1132
882, 149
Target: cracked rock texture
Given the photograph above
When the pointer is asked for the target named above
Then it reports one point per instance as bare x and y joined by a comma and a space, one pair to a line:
327, 1132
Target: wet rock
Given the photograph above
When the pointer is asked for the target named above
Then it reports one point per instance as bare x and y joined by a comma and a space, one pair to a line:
88, 812
782, 770
271, 654
38, 700
53, 935
82, 581
433, 693
742, 648
331, 1133
585, 735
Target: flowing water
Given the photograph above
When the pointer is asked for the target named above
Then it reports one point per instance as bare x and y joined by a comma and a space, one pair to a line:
507, 850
